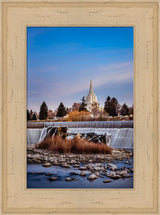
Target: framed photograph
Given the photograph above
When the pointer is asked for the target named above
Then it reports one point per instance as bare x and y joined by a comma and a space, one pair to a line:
80, 107
86, 139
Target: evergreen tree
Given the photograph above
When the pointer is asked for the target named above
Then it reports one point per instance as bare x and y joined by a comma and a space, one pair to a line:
83, 105
43, 111
114, 103
108, 99
34, 117
110, 106
61, 110
28, 115
107, 105
124, 110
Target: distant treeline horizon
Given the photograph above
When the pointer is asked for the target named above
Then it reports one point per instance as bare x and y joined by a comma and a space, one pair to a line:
111, 108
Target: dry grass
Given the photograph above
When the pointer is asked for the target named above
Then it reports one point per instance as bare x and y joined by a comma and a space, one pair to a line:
76, 145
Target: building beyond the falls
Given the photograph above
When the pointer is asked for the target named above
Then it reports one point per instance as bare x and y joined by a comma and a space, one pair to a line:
91, 97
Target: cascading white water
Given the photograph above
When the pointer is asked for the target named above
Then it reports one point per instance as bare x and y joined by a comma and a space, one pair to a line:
43, 134
33, 135
118, 137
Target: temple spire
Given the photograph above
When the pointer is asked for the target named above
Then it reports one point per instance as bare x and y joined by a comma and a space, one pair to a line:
91, 98
91, 88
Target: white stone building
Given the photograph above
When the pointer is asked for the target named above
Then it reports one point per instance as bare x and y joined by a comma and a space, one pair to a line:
91, 98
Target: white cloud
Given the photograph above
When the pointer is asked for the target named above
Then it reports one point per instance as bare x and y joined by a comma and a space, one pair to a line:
54, 89
108, 74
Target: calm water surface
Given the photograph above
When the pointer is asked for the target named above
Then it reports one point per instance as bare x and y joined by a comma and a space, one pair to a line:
37, 180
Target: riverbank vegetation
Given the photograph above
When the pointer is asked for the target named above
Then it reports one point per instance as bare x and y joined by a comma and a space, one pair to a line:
75, 145
76, 118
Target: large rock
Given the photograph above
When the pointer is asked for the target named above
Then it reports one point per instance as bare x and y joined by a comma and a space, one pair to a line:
113, 175
96, 138
65, 165
82, 168
127, 176
99, 168
92, 177
47, 165
53, 178
83, 173
124, 172
49, 174
76, 165
61, 131
107, 181
90, 136
112, 167
69, 179
73, 162
131, 169
52, 130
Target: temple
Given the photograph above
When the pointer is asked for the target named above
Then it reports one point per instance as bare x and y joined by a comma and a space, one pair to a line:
91, 97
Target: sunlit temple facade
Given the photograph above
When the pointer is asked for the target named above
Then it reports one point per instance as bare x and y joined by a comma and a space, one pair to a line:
91, 98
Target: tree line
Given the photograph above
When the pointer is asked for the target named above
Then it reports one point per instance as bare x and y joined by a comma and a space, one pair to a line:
111, 107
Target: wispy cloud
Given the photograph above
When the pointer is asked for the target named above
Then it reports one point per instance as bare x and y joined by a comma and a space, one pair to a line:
106, 74
56, 90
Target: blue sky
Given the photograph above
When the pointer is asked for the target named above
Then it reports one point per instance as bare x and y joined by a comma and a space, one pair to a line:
61, 61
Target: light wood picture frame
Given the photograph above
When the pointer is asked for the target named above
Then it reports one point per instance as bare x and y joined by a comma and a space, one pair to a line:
144, 17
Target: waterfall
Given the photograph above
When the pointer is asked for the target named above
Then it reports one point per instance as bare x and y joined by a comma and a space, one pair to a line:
121, 138
117, 138
87, 124
33, 135
118, 133
43, 134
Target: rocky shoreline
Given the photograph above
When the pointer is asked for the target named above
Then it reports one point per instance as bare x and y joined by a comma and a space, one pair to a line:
91, 166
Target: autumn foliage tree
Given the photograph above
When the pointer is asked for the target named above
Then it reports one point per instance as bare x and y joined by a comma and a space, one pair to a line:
78, 116
95, 109
75, 106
